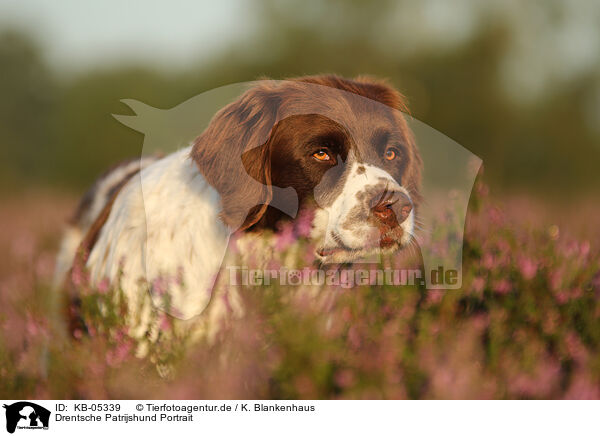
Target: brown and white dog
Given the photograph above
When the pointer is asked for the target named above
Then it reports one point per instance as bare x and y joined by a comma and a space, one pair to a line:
339, 147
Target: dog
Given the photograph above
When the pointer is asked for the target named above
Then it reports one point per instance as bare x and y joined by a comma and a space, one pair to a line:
339, 148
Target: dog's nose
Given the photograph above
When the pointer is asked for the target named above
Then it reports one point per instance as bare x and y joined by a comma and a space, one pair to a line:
391, 208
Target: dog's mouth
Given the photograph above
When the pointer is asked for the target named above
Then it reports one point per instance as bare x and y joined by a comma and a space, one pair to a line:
388, 242
342, 252
327, 252
339, 249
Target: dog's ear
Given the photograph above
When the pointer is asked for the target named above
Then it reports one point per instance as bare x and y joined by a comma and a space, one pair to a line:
234, 155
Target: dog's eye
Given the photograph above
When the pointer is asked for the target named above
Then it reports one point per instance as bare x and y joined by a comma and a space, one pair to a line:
391, 153
322, 155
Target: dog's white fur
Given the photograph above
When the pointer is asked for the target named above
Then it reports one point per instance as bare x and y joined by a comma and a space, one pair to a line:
164, 228
76, 232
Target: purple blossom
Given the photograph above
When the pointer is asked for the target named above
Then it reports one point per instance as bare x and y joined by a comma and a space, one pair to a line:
502, 287
478, 284
304, 223
103, 286
528, 268
285, 237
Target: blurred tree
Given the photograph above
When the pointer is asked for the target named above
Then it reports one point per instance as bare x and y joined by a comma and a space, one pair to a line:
63, 132
457, 88
88, 138
27, 98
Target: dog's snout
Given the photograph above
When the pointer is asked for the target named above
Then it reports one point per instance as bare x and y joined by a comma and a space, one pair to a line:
385, 214
391, 208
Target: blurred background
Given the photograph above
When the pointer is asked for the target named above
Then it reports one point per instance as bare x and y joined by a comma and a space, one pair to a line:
516, 83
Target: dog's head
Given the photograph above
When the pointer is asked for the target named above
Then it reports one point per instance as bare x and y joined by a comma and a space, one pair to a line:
344, 148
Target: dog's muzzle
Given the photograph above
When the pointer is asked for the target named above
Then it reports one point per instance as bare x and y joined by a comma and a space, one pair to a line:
389, 209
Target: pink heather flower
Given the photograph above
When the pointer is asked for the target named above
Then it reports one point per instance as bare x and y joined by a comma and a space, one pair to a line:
103, 286
305, 386
354, 337
31, 325
571, 249
309, 255
480, 322
434, 329
285, 237
584, 249
344, 378
78, 275
119, 335
495, 216
482, 189
159, 286
555, 278
274, 265
488, 261
164, 322
502, 287
548, 372
304, 223
504, 246
575, 348
233, 243
478, 284
562, 297
528, 268
346, 314
583, 388
119, 354
435, 296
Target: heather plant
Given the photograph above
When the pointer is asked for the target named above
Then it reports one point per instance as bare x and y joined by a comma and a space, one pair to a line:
526, 324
